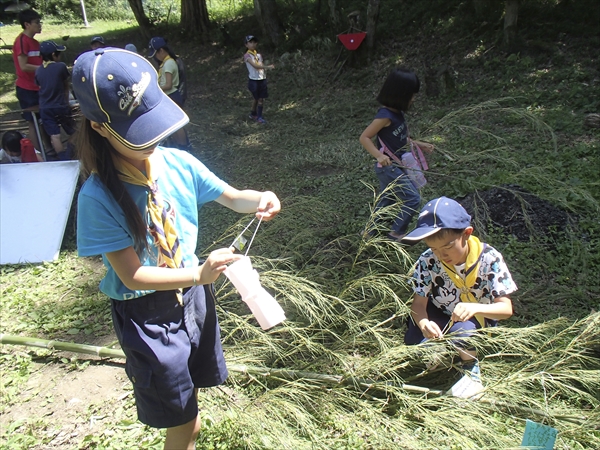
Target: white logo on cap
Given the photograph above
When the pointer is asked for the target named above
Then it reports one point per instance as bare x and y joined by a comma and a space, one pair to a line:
132, 96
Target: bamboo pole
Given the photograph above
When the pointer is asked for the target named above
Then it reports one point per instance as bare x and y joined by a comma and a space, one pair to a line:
63, 346
287, 375
239, 368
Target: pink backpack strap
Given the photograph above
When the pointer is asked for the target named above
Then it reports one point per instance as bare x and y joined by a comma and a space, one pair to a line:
418, 155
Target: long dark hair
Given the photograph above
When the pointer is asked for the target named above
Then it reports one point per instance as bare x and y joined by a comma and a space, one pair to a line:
95, 155
168, 49
399, 88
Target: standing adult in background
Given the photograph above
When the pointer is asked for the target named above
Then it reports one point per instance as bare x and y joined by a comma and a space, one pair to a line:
97, 42
27, 58
169, 80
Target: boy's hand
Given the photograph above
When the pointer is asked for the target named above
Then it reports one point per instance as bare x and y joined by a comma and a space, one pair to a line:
464, 311
426, 147
215, 264
269, 206
430, 329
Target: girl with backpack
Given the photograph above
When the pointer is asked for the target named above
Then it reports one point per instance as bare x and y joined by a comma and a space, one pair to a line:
170, 81
396, 97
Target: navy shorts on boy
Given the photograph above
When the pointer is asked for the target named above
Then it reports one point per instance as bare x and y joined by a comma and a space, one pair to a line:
27, 99
54, 118
258, 88
158, 337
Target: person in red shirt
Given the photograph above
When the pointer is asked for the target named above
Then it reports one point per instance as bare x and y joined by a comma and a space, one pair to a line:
27, 58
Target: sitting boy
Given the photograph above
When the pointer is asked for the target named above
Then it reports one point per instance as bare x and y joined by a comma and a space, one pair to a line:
460, 283
53, 79
17, 148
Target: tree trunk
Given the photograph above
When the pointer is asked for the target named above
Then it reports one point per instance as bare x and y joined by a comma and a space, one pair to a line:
266, 13
482, 8
138, 11
372, 19
511, 13
194, 18
333, 15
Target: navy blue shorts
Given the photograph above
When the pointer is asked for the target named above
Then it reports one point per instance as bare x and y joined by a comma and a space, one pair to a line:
171, 350
177, 98
414, 335
27, 99
54, 118
258, 88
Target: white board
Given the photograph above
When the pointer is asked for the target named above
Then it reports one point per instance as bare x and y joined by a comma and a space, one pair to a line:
35, 200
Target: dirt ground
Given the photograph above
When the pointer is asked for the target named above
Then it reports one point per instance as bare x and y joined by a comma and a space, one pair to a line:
516, 212
67, 398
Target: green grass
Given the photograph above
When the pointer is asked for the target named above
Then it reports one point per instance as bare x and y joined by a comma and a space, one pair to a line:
512, 119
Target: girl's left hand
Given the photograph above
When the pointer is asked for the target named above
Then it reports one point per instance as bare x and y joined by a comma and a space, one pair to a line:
269, 206
215, 264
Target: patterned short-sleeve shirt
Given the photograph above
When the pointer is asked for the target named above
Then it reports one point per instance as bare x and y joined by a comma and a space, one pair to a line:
493, 280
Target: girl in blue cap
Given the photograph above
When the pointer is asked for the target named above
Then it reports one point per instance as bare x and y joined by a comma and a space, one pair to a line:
138, 208
170, 80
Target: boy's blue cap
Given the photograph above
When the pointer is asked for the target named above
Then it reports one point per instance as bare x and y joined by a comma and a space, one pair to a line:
156, 43
120, 90
49, 47
439, 213
99, 39
250, 38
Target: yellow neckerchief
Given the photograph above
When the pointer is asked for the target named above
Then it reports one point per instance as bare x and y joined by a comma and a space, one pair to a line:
47, 63
471, 271
254, 54
160, 68
161, 223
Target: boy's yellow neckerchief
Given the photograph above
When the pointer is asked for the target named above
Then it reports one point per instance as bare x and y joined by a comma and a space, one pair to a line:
476, 248
161, 224
47, 63
254, 53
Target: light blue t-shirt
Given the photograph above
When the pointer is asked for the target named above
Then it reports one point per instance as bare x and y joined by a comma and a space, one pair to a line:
184, 183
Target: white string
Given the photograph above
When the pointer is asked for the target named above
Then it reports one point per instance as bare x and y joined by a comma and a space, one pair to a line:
243, 231
252, 239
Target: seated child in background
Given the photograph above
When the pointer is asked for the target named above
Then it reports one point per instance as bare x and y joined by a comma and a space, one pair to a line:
17, 148
460, 283
53, 79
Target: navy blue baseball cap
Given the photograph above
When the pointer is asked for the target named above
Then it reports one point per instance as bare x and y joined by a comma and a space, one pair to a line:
98, 39
250, 38
49, 47
156, 43
439, 213
120, 90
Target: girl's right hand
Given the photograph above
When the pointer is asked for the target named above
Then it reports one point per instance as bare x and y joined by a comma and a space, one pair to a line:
384, 160
215, 264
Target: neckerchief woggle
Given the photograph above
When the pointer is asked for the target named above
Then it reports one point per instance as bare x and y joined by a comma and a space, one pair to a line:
465, 285
254, 54
160, 222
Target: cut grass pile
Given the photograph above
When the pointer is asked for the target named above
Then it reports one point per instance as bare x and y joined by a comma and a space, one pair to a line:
347, 298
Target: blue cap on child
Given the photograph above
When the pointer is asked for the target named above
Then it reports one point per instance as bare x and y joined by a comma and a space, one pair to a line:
250, 38
156, 43
49, 47
120, 90
439, 213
